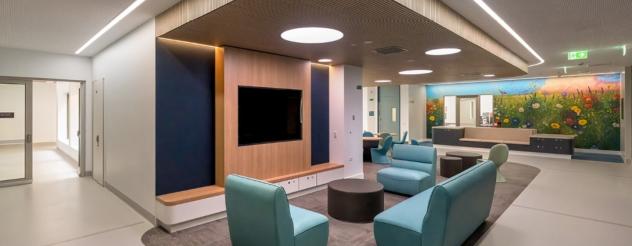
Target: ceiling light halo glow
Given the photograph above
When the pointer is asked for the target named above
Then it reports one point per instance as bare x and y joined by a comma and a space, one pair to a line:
489, 75
383, 81
325, 60
312, 35
443, 51
111, 24
510, 30
415, 72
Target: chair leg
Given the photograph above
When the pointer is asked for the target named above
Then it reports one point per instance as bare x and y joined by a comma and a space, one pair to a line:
499, 177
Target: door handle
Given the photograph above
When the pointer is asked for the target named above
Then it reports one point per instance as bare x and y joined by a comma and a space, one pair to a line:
28, 138
98, 141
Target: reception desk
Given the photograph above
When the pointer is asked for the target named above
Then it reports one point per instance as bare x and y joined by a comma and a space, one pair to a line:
519, 139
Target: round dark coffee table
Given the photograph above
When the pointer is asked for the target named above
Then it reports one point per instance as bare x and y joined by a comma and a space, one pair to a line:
450, 166
355, 200
469, 158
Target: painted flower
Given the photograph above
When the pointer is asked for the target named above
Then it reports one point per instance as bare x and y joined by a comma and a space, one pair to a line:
582, 122
431, 118
515, 121
535, 105
521, 110
528, 124
576, 109
555, 125
615, 125
506, 120
569, 121
588, 105
575, 126
559, 105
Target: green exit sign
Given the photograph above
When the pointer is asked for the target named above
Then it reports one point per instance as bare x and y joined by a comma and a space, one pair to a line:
578, 55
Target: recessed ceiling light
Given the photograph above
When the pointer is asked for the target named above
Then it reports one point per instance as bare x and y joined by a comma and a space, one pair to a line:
113, 22
443, 51
312, 35
510, 30
324, 60
383, 81
489, 75
415, 72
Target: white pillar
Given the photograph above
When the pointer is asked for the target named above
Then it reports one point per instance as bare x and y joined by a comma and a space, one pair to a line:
404, 109
417, 111
345, 118
369, 105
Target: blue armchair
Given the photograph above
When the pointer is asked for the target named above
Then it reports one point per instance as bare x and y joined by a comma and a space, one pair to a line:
413, 169
445, 215
403, 139
380, 154
367, 134
259, 214
421, 142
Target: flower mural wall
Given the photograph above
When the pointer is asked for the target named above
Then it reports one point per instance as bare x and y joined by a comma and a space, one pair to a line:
586, 106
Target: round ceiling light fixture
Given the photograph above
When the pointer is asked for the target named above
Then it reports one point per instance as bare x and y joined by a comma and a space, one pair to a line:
312, 35
325, 60
383, 81
443, 51
490, 75
415, 72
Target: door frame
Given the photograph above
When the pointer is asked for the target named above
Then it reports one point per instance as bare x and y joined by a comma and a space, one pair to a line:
458, 109
28, 81
28, 131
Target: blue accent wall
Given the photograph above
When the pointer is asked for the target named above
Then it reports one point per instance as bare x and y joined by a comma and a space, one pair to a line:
184, 116
320, 114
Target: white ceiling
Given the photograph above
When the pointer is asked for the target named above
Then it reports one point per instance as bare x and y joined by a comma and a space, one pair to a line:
554, 27
62, 26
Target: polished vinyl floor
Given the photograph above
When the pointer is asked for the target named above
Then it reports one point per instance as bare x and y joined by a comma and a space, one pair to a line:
60, 208
571, 202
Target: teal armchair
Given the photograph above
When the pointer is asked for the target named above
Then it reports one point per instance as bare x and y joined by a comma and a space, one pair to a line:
380, 154
413, 169
445, 215
367, 134
259, 214
403, 139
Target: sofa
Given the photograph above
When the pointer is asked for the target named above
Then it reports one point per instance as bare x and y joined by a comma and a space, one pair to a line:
444, 215
412, 170
259, 214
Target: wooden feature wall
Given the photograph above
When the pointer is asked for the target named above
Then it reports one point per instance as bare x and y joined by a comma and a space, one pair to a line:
250, 68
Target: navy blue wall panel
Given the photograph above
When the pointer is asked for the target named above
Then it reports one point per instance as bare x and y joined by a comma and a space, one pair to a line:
320, 114
184, 116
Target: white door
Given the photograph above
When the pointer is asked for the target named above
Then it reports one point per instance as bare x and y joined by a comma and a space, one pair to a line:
16, 150
97, 132
467, 111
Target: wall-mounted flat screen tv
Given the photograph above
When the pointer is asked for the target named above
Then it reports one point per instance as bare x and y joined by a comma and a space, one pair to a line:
267, 115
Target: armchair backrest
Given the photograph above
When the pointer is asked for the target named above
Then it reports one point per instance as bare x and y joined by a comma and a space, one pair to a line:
459, 205
258, 213
499, 154
367, 134
388, 142
415, 157
403, 140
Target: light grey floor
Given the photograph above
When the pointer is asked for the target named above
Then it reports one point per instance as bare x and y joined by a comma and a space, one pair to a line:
344, 233
11, 161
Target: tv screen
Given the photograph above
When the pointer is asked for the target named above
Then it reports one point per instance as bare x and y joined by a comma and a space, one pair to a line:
268, 115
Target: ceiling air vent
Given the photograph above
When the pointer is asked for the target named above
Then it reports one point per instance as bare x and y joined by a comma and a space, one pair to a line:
390, 50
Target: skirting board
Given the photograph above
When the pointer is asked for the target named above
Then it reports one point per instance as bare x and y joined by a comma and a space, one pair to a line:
146, 214
513, 152
356, 176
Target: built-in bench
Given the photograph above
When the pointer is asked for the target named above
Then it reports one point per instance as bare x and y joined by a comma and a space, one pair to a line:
498, 135
183, 209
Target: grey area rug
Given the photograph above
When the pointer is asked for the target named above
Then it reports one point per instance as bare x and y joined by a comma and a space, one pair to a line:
344, 233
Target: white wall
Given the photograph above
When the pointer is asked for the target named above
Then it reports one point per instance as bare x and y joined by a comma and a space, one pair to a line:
44, 112
404, 108
68, 118
42, 65
128, 70
369, 103
345, 120
12, 100
417, 111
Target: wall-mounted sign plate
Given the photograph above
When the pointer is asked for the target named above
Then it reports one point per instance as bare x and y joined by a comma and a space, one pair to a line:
578, 55
4, 115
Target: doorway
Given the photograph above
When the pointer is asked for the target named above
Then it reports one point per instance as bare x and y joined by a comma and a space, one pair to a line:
468, 111
388, 110
41, 126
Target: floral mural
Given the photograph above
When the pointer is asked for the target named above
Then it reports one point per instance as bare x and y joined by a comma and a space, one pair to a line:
586, 106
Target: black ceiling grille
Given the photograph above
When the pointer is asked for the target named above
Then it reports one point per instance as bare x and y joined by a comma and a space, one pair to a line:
390, 50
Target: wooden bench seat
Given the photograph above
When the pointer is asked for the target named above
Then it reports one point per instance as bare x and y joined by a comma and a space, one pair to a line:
195, 194
494, 141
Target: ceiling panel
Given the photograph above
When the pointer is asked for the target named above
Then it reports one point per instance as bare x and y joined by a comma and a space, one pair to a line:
367, 25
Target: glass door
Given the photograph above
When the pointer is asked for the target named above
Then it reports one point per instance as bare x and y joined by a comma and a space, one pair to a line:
15, 132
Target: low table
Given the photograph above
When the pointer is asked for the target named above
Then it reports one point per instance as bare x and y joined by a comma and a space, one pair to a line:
450, 166
469, 158
355, 200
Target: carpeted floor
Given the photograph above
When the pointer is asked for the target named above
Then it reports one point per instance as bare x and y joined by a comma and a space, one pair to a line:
344, 233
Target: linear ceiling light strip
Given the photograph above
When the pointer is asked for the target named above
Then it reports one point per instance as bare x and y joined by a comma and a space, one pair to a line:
508, 28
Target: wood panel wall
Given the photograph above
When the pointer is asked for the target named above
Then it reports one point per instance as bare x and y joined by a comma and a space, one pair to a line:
250, 68
183, 12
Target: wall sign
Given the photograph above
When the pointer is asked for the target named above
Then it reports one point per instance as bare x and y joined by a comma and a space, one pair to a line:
4, 115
